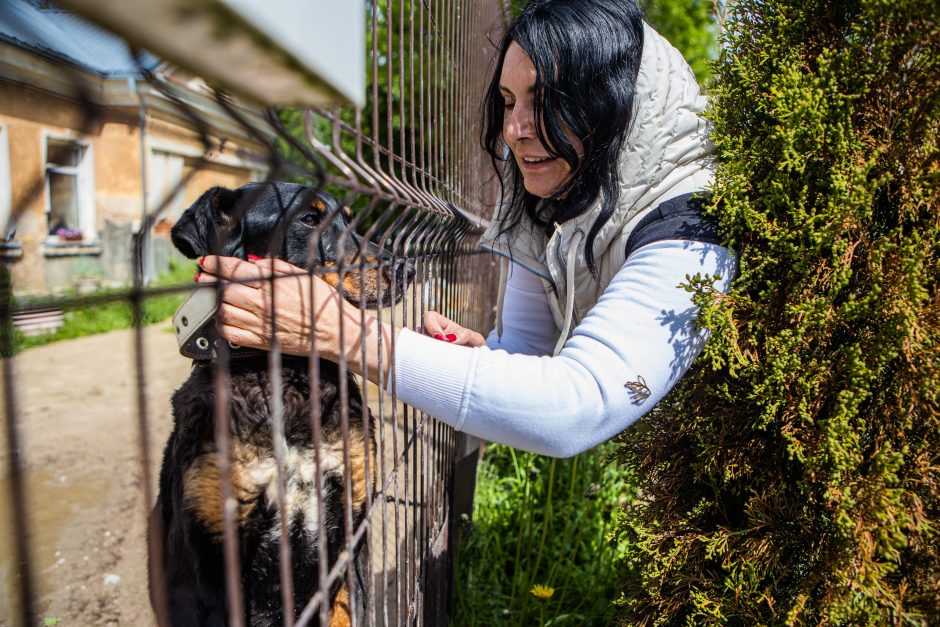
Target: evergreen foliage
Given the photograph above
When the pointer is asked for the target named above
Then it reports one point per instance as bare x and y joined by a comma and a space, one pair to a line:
793, 477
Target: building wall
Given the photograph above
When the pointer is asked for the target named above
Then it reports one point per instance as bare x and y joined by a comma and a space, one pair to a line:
30, 115
117, 171
113, 137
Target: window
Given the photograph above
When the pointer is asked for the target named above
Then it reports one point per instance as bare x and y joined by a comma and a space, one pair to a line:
165, 192
69, 194
6, 188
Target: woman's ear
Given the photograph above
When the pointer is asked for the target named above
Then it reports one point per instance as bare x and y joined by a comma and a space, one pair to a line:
195, 231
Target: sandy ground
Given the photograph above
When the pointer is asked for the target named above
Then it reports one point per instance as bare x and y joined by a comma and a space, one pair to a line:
78, 423
79, 429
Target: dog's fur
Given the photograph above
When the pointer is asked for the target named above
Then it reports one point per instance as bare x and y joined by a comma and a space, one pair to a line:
264, 219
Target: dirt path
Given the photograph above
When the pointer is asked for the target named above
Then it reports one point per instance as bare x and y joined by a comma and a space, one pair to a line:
78, 423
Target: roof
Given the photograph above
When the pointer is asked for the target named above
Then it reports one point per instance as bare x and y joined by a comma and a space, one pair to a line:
49, 30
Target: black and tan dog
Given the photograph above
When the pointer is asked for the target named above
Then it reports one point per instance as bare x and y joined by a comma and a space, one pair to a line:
265, 219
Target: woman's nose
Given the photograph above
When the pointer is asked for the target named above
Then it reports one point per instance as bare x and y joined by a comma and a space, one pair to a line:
520, 123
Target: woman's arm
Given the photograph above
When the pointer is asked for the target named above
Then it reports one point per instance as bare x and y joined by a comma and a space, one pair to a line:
640, 332
528, 325
245, 319
639, 335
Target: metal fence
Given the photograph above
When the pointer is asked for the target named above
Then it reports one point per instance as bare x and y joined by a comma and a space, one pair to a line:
409, 166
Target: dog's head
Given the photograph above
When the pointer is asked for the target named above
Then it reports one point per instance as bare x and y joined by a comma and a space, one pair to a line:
302, 225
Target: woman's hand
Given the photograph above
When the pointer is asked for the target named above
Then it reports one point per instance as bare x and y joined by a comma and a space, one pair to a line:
245, 315
441, 328
309, 313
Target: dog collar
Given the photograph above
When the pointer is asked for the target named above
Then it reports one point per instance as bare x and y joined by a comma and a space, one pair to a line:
196, 333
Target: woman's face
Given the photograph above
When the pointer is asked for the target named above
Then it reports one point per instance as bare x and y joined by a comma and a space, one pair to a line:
542, 174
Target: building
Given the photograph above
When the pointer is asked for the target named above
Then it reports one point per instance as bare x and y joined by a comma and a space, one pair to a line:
96, 144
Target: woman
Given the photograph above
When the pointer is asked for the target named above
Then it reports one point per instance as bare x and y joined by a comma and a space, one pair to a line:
598, 226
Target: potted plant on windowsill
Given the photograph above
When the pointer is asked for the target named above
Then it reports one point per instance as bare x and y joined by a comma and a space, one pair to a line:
69, 235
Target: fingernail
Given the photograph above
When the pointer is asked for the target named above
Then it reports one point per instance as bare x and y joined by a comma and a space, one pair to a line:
254, 258
202, 262
438, 336
451, 337
196, 278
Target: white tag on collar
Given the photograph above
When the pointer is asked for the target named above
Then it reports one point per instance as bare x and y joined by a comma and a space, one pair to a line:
196, 334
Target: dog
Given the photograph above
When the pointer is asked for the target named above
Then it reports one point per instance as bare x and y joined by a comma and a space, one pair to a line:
305, 227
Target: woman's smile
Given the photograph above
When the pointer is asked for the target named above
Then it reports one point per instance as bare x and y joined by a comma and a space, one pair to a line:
534, 163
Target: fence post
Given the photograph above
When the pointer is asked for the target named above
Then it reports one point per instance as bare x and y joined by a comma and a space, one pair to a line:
464, 481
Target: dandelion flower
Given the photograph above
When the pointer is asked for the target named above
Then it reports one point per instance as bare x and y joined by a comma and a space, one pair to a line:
542, 592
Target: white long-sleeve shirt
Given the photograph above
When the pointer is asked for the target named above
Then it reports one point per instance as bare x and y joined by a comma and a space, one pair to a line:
511, 391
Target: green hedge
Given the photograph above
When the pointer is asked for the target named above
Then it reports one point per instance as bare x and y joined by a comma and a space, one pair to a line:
794, 476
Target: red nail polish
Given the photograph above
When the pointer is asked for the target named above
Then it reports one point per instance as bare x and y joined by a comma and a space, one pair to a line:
450, 337
196, 278
438, 336
202, 262
254, 258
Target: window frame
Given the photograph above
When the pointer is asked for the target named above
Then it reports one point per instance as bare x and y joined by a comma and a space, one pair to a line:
85, 184
6, 184
168, 179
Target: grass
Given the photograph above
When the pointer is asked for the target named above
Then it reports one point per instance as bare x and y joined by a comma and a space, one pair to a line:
100, 317
540, 548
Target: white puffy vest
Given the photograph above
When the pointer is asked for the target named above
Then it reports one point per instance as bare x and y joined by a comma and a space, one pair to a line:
666, 154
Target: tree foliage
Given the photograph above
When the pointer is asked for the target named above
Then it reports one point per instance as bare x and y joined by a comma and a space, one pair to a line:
690, 26
793, 477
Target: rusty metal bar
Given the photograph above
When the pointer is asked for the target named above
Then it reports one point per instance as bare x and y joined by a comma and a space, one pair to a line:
21, 548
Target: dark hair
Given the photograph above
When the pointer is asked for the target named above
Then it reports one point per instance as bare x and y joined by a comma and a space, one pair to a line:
587, 56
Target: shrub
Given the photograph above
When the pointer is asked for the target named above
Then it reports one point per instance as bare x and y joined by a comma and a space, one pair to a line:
793, 477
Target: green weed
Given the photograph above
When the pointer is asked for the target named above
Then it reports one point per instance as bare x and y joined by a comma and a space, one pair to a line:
116, 311
539, 548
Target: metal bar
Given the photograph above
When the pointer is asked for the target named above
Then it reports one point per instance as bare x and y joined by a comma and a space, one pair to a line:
22, 550
317, 430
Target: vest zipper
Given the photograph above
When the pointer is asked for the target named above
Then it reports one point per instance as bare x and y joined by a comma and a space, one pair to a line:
576, 238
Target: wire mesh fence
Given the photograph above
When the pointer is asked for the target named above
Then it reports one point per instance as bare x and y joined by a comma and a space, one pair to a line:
304, 494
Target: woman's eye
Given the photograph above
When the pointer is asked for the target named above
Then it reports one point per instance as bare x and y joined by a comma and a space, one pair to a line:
508, 104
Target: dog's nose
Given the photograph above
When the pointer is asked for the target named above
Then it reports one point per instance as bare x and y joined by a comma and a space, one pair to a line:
405, 274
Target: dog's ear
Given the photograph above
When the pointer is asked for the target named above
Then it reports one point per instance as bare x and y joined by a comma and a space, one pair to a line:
193, 233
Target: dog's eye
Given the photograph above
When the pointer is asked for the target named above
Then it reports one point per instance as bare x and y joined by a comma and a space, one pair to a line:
309, 218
